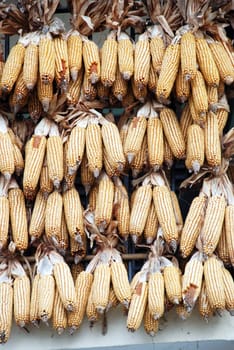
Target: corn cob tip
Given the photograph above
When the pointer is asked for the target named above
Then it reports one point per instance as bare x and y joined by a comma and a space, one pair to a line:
30, 86
7, 176
100, 309
196, 166
56, 184
228, 80
72, 169
71, 330
96, 173
94, 78
130, 157
173, 245
87, 189
149, 240
126, 75
60, 330
35, 323
45, 104
134, 238
21, 324
74, 74
231, 312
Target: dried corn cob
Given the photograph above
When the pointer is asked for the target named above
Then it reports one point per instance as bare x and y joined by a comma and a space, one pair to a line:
169, 70
195, 115
140, 211
74, 49
206, 62
34, 106
101, 286
5, 213
188, 56
156, 294
153, 80
105, 199
31, 63
74, 214
46, 59
53, 216
46, 185
195, 148
12, 67
157, 48
222, 113
222, 246
21, 295
61, 62
20, 94
45, 94
63, 242
121, 208
18, 160
228, 290
140, 159
155, 141
125, 56
151, 325
185, 121
199, 95
46, 292
192, 281
59, 316
229, 225
7, 165
113, 301
212, 141
6, 307
139, 94
109, 59
18, 217
192, 225
142, 61
212, 94
168, 155
223, 62
87, 177
74, 89
94, 147
173, 132
120, 86
205, 309
91, 60
34, 304
214, 283
119, 278
151, 225
182, 87
91, 311
88, 90
37, 222
54, 155
172, 281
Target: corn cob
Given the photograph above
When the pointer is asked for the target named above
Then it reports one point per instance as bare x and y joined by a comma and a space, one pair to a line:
153, 80
45, 94
185, 121
206, 62
121, 208
37, 222
111, 167
182, 312
120, 86
222, 246
63, 242
5, 214
139, 94
87, 177
46, 185
142, 55
212, 141
223, 62
88, 90
34, 303
156, 295
182, 87
91, 311
54, 155
229, 225
195, 148
228, 290
205, 309
171, 127
199, 95
157, 48
20, 94
74, 89
151, 225
192, 281
169, 70
61, 62
34, 106
46, 59
103, 92
214, 283
140, 160
18, 217
7, 166
112, 301
136, 132
151, 325
31, 63
83, 287
74, 50
74, 214
195, 115
120, 283
12, 67
46, 292
172, 281
21, 289
53, 216
91, 60
140, 211
167, 154
75, 147
137, 306
34, 155
76, 269
155, 142
112, 142
213, 222
6, 308
177, 211
165, 214
109, 59
94, 147
101, 287
192, 225
188, 56
125, 56
59, 316
69, 180
93, 197
105, 199
65, 285
18, 160
212, 94
222, 113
